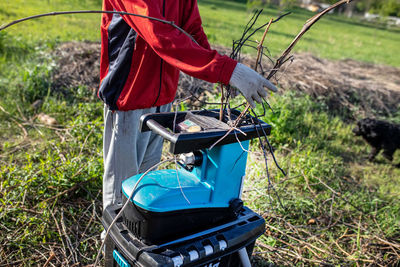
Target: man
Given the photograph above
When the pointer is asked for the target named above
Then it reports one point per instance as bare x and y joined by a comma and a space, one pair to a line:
140, 64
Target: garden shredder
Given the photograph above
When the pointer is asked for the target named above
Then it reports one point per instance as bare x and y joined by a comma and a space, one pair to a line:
191, 215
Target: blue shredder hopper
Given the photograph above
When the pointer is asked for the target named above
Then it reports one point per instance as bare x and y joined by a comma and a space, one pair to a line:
205, 190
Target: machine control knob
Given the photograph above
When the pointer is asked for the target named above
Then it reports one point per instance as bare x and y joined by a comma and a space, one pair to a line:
193, 255
192, 158
178, 261
222, 245
208, 250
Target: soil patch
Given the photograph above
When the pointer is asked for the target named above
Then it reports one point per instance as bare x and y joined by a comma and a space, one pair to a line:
78, 64
347, 86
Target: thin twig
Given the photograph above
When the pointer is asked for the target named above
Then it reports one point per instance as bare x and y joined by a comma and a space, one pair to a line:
260, 45
56, 13
60, 234
71, 189
51, 257
68, 240
221, 111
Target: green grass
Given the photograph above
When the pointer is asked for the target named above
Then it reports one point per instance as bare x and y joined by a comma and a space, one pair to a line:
50, 176
333, 37
54, 28
328, 181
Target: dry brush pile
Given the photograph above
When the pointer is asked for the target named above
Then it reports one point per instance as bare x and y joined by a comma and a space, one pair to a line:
347, 86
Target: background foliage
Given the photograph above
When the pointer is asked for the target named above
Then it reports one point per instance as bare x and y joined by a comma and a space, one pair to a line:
382, 7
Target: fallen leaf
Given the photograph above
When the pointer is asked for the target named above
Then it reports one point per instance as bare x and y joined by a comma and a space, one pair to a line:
46, 119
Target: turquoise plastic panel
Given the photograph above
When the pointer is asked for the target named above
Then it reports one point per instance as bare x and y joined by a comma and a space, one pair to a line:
120, 260
212, 185
161, 191
226, 167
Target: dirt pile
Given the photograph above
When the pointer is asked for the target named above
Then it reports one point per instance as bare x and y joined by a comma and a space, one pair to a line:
78, 63
354, 86
348, 86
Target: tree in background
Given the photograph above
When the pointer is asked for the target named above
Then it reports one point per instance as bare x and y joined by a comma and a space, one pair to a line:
385, 7
280, 3
381, 7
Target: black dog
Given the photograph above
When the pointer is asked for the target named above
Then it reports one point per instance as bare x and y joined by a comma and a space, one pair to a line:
380, 135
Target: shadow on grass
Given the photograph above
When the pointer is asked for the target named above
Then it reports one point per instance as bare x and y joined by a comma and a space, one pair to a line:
258, 261
7, 13
12, 48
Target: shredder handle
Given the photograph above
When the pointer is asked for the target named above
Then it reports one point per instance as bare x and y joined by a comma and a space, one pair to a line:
160, 130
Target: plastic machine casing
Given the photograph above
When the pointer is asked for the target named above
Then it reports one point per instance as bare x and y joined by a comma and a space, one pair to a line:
173, 203
214, 246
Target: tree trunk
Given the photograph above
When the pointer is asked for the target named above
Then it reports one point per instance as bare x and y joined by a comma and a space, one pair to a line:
275, 2
349, 9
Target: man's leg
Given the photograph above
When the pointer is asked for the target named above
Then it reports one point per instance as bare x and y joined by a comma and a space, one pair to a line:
121, 133
153, 150
126, 148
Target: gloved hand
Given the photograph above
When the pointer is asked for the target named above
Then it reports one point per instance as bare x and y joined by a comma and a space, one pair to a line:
250, 84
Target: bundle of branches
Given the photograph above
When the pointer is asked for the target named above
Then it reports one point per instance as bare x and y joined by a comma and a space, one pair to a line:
248, 32
284, 58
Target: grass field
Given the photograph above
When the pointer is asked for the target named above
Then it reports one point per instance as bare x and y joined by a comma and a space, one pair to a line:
337, 208
334, 37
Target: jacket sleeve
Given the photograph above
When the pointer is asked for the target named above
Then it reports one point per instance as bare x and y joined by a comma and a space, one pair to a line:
192, 24
175, 47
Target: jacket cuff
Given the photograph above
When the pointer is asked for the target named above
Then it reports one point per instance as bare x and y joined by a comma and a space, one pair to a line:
238, 73
227, 69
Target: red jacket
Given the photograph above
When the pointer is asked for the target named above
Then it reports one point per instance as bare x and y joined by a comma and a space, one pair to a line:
141, 58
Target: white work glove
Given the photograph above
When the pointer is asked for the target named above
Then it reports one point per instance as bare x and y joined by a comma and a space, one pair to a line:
250, 84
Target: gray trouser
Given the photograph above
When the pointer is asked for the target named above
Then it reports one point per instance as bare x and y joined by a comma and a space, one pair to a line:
126, 150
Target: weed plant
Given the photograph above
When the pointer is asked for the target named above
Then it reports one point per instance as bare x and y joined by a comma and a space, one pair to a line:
50, 176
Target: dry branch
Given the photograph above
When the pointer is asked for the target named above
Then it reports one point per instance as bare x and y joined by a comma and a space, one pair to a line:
239, 118
97, 12
260, 45
281, 60
51, 257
